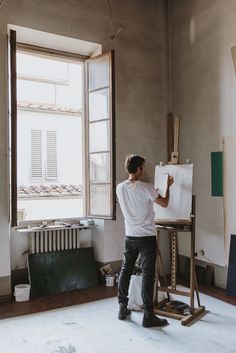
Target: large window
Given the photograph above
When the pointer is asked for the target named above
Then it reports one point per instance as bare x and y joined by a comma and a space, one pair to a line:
62, 135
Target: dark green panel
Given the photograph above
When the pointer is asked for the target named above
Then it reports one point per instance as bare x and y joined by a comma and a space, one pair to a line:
217, 173
62, 271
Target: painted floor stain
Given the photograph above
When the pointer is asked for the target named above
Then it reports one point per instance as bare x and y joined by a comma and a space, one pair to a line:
62, 349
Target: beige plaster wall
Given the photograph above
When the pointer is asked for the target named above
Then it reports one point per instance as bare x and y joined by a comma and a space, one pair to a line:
204, 90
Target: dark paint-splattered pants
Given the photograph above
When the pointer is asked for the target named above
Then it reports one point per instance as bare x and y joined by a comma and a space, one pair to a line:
146, 246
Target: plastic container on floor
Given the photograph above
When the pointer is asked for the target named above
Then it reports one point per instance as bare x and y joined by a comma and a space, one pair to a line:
22, 292
110, 280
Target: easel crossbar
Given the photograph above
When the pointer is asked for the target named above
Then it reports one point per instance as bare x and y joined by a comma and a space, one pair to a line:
174, 291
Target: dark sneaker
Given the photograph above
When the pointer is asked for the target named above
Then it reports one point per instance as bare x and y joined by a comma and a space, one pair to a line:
150, 320
123, 312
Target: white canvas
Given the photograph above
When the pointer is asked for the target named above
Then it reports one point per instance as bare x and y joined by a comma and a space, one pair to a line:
180, 203
229, 172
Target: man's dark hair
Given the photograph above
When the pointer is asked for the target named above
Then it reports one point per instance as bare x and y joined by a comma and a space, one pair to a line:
132, 162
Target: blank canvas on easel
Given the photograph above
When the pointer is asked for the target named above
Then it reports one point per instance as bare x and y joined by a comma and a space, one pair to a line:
180, 203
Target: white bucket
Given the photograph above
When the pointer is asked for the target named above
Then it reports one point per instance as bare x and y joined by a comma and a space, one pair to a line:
110, 279
22, 292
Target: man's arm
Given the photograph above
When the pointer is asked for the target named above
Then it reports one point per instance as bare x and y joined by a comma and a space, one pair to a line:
164, 201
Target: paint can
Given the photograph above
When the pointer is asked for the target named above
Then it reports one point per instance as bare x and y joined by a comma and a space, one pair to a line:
110, 280
22, 292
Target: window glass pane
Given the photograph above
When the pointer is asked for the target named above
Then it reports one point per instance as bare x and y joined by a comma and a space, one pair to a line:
35, 92
98, 73
100, 200
31, 66
67, 95
99, 136
49, 143
100, 167
98, 105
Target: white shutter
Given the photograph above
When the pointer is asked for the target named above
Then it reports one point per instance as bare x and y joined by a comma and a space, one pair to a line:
51, 155
36, 154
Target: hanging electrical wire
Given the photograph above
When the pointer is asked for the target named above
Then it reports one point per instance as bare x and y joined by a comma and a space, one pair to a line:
109, 18
117, 31
2, 2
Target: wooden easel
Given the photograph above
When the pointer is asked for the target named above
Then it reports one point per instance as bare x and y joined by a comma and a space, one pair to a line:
173, 227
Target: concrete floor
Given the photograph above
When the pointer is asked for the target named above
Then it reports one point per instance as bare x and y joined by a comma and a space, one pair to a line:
94, 328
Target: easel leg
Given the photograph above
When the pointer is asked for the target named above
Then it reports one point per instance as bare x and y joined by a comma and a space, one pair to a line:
173, 259
160, 269
196, 288
192, 259
157, 267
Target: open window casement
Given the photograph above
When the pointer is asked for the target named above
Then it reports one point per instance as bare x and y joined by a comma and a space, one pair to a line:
100, 135
13, 127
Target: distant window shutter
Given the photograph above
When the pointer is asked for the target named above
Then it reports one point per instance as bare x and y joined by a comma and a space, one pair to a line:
51, 166
36, 154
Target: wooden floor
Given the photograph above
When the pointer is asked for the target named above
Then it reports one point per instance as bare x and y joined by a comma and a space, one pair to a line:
217, 293
12, 308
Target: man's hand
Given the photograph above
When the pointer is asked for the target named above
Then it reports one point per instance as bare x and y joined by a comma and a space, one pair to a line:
170, 180
164, 201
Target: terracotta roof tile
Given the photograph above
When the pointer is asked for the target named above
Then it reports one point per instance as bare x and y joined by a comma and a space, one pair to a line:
49, 190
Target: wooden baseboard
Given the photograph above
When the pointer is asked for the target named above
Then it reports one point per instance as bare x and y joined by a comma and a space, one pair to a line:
5, 298
5, 286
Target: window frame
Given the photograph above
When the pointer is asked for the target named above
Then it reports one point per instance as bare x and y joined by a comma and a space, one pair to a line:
112, 142
14, 46
13, 129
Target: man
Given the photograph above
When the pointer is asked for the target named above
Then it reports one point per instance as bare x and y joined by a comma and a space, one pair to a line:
136, 201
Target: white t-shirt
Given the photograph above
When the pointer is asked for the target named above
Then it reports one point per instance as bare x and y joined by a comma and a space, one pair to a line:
136, 202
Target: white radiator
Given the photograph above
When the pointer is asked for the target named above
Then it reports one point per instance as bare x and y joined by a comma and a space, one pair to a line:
47, 240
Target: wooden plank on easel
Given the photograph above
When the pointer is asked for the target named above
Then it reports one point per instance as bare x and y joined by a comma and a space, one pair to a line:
174, 291
168, 314
175, 153
196, 312
170, 135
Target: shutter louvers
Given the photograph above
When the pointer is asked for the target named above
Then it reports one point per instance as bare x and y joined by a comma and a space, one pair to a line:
51, 171
36, 154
